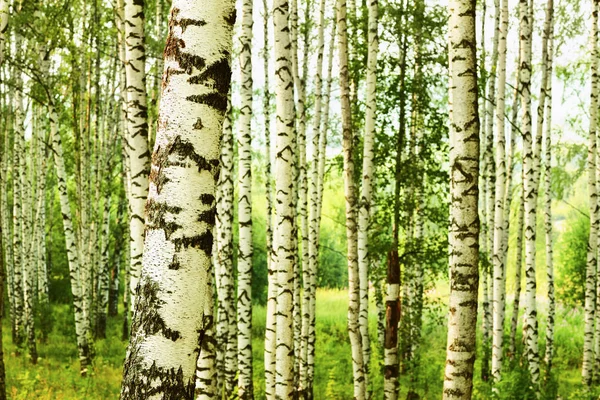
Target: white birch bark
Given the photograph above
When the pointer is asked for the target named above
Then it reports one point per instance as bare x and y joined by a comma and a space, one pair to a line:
226, 298
358, 368
17, 240
499, 285
271, 322
549, 355
137, 128
244, 287
81, 320
283, 245
587, 371
530, 326
174, 308
302, 183
464, 219
367, 184
305, 384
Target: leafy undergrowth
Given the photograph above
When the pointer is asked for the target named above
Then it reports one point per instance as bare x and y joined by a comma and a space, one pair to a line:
56, 376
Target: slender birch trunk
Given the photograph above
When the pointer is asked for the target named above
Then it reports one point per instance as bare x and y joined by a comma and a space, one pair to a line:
244, 288
81, 320
367, 186
177, 269
464, 219
283, 245
587, 371
302, 183
305, 386
358, 368
271, 321
520, 217
18, 154
499, 285
137, 129
530, 193
490, 198
224, 222
548, 201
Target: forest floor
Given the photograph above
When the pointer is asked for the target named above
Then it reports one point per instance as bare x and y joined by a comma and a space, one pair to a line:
56, 376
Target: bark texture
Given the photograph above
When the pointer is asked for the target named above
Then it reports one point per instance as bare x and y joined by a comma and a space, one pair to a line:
166, 335
464, 218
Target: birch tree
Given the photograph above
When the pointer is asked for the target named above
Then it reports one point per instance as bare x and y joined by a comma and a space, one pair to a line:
283, 244
244, 287
176, 276
367, 186
358, 368
464, 219
137, 130
499, 292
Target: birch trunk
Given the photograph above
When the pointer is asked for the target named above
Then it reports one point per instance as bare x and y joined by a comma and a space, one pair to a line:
226, 298
464, 219
358, 368
490, 198
18, 154
81, 320
500, 206
305, 385
283, 245
530, 194
271, 321
244, 288
177, 268
367, 186
548, 198
587, 371
137, 129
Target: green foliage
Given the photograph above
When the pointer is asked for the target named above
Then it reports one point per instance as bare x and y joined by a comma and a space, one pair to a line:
56, 376
571, 255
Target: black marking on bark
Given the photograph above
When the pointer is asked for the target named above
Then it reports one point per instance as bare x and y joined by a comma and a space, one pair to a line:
203, 242
230, 18
156, 212
208, 216
175, 265
207, 198
198, 125
147, 305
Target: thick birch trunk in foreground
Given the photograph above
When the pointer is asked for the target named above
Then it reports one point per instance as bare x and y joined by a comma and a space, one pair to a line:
587, 372
244, 287
358, 368
499, 285
137, 137
283, 245
174, 308
464, 218
367, 185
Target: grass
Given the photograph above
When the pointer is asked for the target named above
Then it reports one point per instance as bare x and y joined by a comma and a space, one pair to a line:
56, 376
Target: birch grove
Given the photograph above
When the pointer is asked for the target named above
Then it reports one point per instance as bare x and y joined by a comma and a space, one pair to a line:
290, 199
